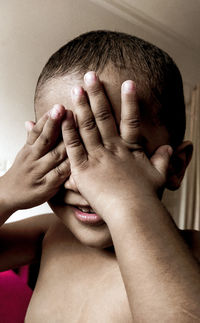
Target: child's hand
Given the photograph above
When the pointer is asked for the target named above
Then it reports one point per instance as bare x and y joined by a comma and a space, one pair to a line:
40, 167
111, 172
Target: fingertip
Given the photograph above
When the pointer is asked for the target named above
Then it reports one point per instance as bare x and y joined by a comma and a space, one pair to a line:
170, 151
57, 111
76, 92
128, 87
90, 78
165, 150
29, 125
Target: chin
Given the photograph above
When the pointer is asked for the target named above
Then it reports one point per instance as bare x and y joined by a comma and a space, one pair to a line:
89, 235
91, 240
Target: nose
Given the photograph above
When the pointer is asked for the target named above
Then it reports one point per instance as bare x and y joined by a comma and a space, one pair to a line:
70, 184
72, 195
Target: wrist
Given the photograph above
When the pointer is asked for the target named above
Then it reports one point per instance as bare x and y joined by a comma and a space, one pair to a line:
137, 209
6, 206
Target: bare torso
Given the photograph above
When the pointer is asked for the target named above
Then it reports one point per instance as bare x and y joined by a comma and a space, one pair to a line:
77, 283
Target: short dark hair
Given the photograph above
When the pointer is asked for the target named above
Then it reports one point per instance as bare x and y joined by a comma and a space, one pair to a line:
158, 80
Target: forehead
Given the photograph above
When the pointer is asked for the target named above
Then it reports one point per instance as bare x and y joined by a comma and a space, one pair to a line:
58, 91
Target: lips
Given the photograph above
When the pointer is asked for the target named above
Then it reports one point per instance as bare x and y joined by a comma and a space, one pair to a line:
86, 215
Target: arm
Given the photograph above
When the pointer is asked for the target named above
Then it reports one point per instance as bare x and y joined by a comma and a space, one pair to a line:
155, 256
20, 242
39, 169
161, 277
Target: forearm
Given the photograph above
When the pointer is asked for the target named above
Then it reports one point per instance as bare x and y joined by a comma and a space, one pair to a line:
5, 213
6, 209
161, 277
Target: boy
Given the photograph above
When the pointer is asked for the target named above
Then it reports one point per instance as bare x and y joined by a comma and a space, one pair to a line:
111, 189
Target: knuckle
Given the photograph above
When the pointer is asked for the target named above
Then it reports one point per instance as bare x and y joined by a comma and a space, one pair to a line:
55, 154
67, 129
73, 142
132, 122
27, 155
70, 136
96, 91
25, 151
111, 146
59, 171
41, 181
102, 114
66, 166
88, 124
35, 131
82, 102
44, 139
63, 153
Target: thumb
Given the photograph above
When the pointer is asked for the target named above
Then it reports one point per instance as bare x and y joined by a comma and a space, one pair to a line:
161, 159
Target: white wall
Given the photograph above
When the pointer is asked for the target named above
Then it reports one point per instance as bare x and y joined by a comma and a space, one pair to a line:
32, 30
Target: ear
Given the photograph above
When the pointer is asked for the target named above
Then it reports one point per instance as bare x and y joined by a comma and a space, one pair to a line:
178, 164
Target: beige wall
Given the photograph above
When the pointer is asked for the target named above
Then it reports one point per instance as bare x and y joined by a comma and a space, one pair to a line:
32, 30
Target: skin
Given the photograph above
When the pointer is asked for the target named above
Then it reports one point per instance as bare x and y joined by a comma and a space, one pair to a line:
59, 90
92, 161
155, 296
41, 163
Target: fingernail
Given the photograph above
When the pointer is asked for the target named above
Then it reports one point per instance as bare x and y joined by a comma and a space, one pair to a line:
90, 78
170, 151
55, 111
77, 91
128, 86
28, 126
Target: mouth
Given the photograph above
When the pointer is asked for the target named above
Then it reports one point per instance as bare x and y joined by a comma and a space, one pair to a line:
86, 214
85, 209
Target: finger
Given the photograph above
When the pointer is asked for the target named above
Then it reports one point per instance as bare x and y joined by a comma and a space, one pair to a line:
50, 131
85, 119
100, 106
35, 131
130, 117
59, 174
53, 158
75, 150
38, 127
29, 125
161, 158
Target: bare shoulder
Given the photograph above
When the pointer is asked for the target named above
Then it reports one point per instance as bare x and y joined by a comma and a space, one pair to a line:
196, 244
192, 238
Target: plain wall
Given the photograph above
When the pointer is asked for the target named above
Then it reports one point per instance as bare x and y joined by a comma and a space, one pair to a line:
31, 31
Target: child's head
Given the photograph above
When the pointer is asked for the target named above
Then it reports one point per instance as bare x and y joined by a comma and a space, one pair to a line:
117, 57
